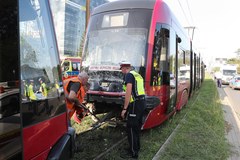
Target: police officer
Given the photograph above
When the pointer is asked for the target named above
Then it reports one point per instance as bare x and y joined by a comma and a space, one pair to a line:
134, 106
25, 92
43, 87
31, 90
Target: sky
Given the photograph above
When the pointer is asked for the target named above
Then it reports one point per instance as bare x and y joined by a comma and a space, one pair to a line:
217, 32
216, 22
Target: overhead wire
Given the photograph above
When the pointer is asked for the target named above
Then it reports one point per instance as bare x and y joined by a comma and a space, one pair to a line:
183, 12
190, 13
191, 24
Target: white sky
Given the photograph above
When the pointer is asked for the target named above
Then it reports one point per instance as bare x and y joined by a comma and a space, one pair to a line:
217, 32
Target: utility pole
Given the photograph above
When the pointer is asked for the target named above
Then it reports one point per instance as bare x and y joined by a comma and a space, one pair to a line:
87, 12
190, 28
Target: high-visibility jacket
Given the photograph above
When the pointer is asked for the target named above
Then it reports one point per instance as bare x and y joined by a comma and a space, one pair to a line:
31, 93
44, 89
139, 86
26, 92
57, 85
80, 95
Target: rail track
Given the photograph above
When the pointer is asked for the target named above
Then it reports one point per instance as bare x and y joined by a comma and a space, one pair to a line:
103, 142
96, 142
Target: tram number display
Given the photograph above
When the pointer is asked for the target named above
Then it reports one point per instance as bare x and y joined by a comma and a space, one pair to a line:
115, 20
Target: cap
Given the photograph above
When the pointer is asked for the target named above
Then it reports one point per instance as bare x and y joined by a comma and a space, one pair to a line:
125, 64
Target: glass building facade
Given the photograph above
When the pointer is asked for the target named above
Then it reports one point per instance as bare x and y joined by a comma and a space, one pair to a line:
69, 20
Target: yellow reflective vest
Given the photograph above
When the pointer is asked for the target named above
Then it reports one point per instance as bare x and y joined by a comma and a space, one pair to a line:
139, 85
44, 89
32, 95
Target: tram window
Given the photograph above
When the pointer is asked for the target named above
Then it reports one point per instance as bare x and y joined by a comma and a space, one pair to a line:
130, 45
160, 53
172, 66
183, 65
39, 64
66, 66
75, 66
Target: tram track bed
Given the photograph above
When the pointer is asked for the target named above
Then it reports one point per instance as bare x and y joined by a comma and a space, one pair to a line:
111, 141
200, 135
92, 142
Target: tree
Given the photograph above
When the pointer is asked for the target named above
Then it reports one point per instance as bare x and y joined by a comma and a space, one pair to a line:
216, 69
235, 61
238, 52
79, 53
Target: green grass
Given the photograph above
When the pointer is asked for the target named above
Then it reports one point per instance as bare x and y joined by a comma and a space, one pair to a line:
200, 134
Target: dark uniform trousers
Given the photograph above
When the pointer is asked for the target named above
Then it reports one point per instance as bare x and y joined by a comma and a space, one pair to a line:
134, 123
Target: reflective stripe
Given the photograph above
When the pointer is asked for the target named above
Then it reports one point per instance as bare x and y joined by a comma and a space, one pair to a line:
131, 130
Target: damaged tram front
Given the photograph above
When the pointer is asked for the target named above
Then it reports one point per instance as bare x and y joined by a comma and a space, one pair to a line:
146, 34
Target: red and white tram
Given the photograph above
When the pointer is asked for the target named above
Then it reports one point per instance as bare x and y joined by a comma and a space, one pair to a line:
33, 125
146, 33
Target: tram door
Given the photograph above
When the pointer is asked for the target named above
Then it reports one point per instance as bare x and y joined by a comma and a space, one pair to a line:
31, 104
173, 70
164, 70
43, 105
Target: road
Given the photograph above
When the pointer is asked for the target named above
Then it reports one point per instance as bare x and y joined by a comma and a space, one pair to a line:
234, 98
230, 99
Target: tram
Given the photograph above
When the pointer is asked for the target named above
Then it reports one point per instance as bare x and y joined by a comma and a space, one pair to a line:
147, 34
32, 125
70, 67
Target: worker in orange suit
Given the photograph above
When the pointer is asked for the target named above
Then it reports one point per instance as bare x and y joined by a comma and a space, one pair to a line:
75, 91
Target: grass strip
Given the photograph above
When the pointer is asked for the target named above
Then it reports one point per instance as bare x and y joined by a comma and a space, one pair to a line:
201, 135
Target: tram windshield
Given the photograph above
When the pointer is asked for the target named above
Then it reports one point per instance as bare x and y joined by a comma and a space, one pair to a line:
229, 72
109, 47
116, 37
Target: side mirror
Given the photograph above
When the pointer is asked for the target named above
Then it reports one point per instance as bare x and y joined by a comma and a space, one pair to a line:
179, 40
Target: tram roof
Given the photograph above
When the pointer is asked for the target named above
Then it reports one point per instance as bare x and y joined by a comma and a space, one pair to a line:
124, 4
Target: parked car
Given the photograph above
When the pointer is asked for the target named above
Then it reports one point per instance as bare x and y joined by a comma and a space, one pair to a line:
235, 82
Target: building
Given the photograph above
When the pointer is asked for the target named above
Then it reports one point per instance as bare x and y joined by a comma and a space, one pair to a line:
70, 21
220, 61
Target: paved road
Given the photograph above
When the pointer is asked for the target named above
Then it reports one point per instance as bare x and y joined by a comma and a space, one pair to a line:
230, 99
234, 98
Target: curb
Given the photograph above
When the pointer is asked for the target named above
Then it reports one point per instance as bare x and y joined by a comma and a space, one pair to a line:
232, 125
